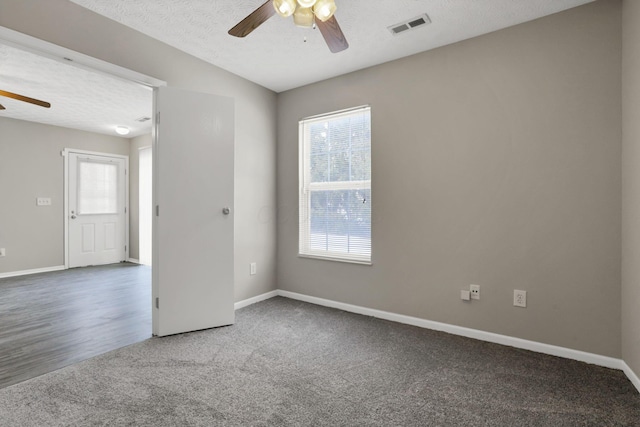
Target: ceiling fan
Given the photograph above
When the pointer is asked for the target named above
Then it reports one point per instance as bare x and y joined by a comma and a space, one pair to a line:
306, 13
23, 98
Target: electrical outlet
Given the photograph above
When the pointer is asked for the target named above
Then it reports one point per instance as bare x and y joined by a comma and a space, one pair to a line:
252, 269
3, 252
475, 291
520, 298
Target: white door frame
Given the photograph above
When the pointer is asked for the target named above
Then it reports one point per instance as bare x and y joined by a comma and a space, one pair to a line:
150, 242
65, 153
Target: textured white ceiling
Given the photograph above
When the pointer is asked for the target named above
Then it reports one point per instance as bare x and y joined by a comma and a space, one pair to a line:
276, 55
80, 99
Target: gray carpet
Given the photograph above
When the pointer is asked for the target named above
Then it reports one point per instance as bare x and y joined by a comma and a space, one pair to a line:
290, 363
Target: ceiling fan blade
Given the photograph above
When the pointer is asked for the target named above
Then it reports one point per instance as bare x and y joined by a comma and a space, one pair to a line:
332, 34
254, 20
25, 99
2, 107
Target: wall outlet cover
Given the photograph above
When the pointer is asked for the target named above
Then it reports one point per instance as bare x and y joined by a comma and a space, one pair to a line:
465, 295
475, 291
519, 298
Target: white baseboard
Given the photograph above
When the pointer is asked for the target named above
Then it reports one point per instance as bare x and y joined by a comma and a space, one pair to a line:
635, 380
253, 300
33, 271
595, 359
133, 261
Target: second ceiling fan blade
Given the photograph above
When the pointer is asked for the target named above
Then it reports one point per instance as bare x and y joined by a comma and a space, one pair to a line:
25, 99
254, 20
333, 34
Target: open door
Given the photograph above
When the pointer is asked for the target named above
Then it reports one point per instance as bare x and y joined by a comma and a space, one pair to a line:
193, 211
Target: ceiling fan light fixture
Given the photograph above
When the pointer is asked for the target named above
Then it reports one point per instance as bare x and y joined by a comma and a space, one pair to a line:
303, 17
284, 8
122, 130
324, 9
307, 3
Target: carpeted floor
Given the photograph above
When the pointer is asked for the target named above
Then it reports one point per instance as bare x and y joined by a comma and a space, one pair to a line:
291, 363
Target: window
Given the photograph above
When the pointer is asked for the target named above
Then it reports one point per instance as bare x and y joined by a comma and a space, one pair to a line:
97, 187
335, 186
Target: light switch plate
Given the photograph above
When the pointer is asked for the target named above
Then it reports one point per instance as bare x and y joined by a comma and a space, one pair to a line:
43, 201
465, 295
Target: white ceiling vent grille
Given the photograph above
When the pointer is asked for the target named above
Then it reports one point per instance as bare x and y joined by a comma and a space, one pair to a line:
410, 24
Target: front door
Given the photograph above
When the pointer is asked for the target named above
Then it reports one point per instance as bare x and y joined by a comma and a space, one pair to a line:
193, 213
96, 209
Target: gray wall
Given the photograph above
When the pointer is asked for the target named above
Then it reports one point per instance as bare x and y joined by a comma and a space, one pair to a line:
31, 166
67, 24
134, 201
631, 184
496, 161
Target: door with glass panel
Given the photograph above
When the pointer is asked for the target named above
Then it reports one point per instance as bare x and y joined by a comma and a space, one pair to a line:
96, 209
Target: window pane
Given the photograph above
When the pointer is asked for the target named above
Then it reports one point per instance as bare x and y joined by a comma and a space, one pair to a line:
339, 149
97, 188
341, 221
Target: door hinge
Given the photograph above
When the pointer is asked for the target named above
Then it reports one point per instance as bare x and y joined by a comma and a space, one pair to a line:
125, 210
157, 210
157, 302
158, 117
125, 248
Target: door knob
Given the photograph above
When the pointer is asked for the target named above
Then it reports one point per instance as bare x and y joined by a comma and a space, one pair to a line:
226, 211
73, 217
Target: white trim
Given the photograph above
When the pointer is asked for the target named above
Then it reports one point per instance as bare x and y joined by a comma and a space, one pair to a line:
339, 258
133, 260
253, 300
567, 353
32, 271
635, 380
332, 114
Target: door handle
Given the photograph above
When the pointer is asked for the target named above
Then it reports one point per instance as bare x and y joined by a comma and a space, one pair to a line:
226, 211
73, 217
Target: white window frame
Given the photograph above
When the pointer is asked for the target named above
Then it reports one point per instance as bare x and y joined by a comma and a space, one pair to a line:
306, 187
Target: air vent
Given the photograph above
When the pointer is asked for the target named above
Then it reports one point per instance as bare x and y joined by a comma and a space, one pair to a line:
410, 24
143, 119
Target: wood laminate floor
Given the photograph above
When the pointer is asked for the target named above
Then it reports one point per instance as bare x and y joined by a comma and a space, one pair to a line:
51, 320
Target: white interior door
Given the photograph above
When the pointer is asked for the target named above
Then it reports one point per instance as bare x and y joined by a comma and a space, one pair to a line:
96, 209
193, 222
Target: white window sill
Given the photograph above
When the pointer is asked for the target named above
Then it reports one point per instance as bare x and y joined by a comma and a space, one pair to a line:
330, 258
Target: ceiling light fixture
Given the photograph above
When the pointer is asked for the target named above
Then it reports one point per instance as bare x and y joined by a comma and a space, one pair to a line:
285, 8
314, 14
304, 11
303, 17
122, 130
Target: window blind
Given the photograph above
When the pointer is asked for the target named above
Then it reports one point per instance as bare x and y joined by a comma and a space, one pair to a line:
97, 187
335, 186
